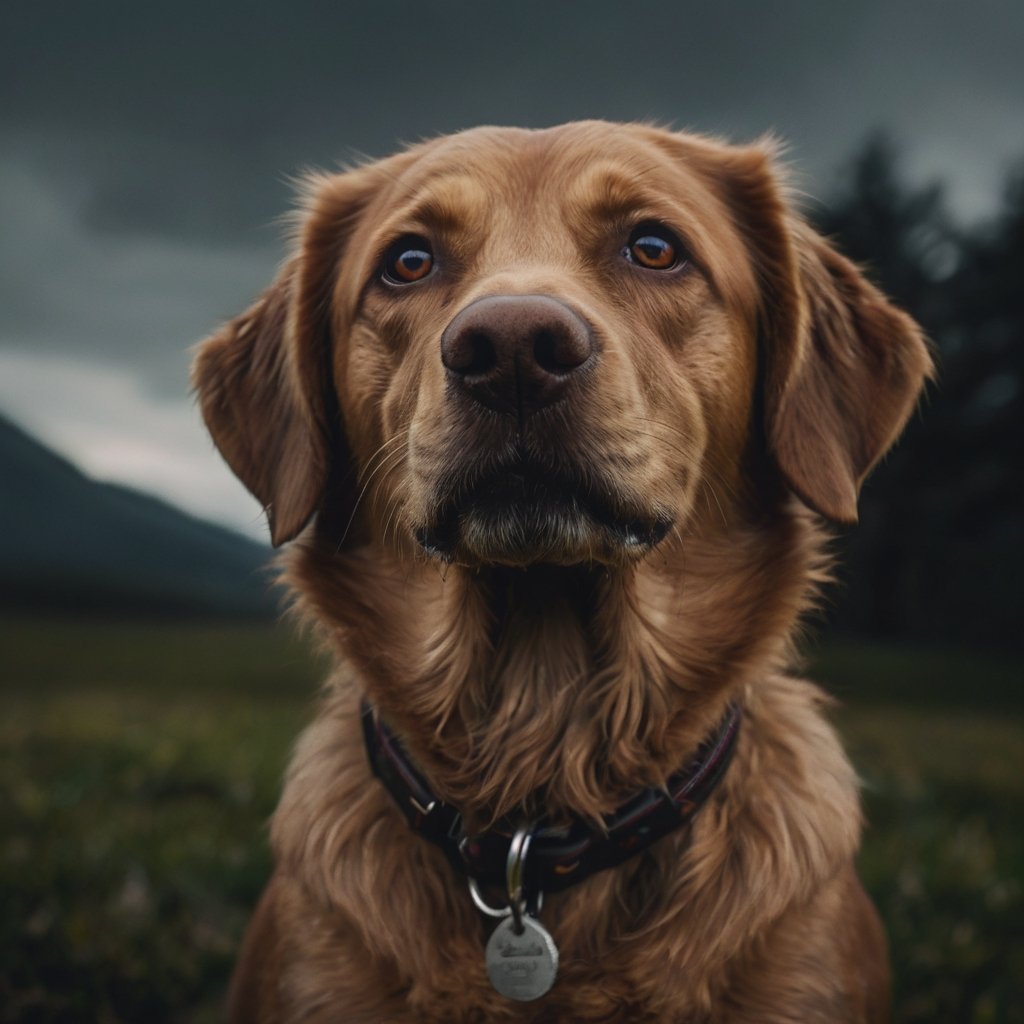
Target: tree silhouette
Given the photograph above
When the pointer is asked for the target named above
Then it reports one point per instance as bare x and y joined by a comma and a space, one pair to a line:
938, 552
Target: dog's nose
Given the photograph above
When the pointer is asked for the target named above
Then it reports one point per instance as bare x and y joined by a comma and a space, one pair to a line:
516, 353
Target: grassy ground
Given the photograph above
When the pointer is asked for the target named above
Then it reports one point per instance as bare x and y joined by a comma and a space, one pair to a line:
140, 764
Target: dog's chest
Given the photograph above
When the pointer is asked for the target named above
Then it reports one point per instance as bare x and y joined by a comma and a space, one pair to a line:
619, 978
609, 989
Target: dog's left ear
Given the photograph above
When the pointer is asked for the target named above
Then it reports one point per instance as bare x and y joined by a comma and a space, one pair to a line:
264, 380
842, 366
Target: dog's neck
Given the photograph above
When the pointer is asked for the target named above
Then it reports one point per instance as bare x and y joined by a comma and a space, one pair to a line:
562, 687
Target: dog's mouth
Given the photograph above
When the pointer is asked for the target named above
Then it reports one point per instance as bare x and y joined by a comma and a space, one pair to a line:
520, 513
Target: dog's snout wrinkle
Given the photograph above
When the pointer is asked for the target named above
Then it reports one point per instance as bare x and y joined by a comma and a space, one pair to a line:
516, 354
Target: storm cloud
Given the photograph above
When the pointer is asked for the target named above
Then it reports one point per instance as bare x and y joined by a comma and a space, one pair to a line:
146, 151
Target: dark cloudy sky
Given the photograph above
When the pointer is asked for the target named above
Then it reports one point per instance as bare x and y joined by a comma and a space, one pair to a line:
145, 151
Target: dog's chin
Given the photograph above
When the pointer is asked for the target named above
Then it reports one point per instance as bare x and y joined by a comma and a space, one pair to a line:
521, 521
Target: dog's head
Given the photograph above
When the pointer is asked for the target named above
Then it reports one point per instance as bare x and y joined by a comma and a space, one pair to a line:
508, 347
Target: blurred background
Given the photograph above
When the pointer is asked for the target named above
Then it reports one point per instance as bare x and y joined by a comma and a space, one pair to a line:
149, 695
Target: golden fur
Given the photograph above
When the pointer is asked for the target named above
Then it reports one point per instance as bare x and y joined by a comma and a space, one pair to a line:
542, 664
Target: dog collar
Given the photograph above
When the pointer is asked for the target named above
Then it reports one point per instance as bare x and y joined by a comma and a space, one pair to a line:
560, 854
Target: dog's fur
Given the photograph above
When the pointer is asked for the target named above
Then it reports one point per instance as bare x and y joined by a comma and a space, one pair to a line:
550, 658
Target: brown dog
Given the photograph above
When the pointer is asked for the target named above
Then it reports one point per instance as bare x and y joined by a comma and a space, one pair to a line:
556, 417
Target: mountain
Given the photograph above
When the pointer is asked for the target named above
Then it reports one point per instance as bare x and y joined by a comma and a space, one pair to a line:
71, 543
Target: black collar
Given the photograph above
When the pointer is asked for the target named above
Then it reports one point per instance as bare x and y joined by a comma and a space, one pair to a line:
563, 855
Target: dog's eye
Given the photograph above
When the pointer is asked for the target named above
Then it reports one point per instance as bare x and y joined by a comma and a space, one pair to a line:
408, 260
654, 248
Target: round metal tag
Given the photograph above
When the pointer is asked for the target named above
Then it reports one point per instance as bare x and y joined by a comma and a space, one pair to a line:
522, 966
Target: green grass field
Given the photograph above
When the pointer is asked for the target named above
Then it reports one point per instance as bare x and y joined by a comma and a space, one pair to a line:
141, 762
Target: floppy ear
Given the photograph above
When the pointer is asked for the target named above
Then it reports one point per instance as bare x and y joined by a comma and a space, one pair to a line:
264, 380
841, 379
842, 366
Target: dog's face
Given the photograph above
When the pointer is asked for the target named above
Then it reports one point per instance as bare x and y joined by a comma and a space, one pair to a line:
509, 347
540, 332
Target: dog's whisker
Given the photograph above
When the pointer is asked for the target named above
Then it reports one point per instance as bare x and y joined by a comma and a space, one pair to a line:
399, 453
392, 511
378, 456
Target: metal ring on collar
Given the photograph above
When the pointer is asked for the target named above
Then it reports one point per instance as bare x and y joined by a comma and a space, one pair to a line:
482, 905
517, 851
514, 869
485, 908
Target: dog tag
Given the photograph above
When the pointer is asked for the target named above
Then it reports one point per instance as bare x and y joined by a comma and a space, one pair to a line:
522, 966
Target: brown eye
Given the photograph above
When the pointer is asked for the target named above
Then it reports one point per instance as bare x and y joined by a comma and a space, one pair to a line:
653, 248
408, 260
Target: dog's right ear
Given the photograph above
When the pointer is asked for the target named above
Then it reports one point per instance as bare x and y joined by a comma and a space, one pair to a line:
264, 381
